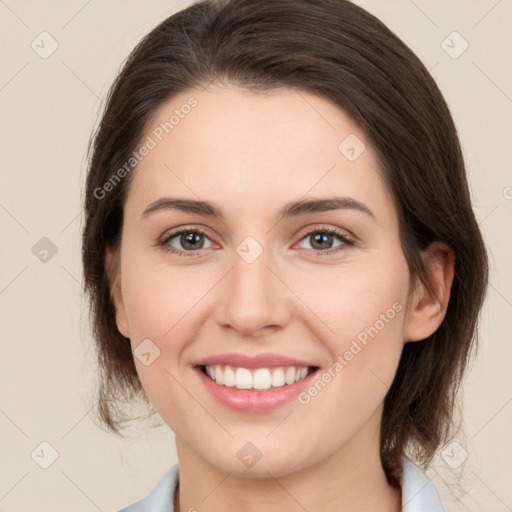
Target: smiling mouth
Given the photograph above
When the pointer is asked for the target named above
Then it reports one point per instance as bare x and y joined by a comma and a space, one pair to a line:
257, 379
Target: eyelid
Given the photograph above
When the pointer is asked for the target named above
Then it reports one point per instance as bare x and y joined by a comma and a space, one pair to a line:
326, 228
302, 233
170, 233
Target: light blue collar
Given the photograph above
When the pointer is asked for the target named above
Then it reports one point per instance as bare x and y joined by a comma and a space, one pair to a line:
418, 492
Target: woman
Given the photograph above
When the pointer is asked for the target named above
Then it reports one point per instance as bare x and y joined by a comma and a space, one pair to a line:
282, 257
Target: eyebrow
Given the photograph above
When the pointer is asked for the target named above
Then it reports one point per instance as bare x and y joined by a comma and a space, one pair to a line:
289, 210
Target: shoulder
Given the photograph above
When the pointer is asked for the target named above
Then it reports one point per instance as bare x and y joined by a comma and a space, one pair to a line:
418, 492
161, 498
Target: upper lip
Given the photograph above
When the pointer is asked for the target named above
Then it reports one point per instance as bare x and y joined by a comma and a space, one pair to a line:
245, 361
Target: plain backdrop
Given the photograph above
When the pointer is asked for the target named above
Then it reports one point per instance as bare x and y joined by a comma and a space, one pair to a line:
49, 106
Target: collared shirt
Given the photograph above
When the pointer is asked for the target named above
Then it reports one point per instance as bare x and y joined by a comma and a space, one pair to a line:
418, 492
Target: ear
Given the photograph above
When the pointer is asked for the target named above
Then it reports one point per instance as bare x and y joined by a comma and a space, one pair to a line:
113, 270
429, 303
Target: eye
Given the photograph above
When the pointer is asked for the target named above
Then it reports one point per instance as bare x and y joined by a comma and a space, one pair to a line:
190, 239
322, 239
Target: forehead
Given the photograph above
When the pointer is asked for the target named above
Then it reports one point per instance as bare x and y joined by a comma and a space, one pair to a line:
236, 146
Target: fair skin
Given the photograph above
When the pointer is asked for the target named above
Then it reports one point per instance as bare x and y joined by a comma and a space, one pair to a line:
250, 154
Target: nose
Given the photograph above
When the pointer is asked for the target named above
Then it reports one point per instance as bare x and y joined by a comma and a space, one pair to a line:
253, 300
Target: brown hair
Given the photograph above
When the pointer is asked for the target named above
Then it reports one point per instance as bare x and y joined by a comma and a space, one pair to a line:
335, 49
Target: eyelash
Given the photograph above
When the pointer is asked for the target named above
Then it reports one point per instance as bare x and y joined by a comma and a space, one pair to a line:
164, 241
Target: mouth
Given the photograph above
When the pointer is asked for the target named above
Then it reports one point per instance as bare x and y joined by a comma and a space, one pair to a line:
256, 379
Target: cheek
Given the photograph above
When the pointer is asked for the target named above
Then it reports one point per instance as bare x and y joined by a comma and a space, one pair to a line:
361, 316
358, 302
365, 349
157, 298
159, 303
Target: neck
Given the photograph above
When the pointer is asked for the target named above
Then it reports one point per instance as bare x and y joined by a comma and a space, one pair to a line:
350, 480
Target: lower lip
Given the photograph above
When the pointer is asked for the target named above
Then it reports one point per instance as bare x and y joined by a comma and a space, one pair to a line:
244, 400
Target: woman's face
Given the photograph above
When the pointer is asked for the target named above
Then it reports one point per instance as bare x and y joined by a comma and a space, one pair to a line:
255, 282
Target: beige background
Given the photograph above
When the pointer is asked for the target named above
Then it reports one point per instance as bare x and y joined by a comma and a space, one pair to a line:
49, 107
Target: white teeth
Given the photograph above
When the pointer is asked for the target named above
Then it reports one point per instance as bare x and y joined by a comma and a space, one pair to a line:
219, 375
278, 378
259, 379
243, 379
229, 377
290, 375
262, 379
